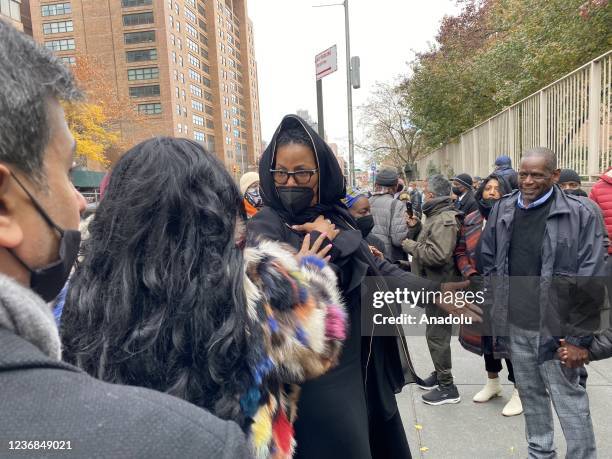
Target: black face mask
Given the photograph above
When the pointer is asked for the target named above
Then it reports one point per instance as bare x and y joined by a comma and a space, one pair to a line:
49, 280
365, 224
457, 191
485, 206
295, 199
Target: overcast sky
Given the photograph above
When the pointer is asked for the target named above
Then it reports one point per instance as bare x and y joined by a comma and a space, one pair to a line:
289, 33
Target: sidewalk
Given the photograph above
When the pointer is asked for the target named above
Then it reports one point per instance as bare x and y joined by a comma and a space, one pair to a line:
471, 430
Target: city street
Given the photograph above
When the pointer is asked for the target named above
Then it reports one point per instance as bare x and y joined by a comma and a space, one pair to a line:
471, 430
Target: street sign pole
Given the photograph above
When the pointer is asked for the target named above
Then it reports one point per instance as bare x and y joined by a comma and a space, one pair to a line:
349, 96
320, 108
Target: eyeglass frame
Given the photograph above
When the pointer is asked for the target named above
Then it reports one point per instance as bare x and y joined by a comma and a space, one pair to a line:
294, 175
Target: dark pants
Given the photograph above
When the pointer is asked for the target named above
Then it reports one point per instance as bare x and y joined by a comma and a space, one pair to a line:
438, 342
493, 365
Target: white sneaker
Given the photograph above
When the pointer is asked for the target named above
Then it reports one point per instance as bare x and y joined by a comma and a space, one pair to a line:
514, 406
491, 389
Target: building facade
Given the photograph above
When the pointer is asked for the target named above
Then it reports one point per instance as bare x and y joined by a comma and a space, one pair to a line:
188, 65
16, 13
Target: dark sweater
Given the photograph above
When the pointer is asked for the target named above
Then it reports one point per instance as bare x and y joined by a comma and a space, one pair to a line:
525, 264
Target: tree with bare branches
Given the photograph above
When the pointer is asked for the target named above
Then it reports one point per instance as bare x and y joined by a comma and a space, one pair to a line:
390, 137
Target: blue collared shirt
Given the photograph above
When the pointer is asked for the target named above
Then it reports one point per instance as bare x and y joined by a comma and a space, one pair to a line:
536, 203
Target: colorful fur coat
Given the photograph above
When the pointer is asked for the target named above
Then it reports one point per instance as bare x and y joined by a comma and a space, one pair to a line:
298, 324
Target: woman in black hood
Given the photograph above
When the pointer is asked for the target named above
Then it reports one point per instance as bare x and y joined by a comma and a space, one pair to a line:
350, 411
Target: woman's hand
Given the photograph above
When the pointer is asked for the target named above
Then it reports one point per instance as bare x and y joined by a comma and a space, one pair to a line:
315, 250
411, 221
377, 253
321, 224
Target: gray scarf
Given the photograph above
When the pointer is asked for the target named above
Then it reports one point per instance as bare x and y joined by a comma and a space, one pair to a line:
28, 316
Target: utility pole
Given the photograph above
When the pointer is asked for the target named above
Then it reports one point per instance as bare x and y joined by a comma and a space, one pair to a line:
349, 96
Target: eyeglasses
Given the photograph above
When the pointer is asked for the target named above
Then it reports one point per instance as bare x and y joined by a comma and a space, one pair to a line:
281, 177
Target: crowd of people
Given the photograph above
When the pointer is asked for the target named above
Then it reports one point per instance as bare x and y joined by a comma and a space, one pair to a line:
199, 317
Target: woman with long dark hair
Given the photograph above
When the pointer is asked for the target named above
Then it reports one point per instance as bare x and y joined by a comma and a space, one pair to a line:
168, 298
351, 411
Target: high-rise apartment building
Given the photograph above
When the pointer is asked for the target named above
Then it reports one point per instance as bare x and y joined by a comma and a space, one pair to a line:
188, 65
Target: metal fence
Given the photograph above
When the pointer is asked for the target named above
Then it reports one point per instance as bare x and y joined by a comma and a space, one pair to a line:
559, 116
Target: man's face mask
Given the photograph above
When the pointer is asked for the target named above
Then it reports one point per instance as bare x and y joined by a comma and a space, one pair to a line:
48, 281
295, 199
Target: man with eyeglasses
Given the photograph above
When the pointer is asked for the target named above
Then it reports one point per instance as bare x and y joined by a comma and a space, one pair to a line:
543, 258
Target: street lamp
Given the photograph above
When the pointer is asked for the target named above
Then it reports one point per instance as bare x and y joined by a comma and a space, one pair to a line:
349, 89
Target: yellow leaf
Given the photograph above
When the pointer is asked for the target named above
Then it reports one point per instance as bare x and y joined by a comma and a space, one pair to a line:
418, 427
424, 449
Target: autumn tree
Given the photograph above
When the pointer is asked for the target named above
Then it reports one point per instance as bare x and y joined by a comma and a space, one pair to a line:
496, 52
390, 138
95, 121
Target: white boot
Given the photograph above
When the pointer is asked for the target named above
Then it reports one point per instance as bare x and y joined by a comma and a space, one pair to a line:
491, 389
514, 406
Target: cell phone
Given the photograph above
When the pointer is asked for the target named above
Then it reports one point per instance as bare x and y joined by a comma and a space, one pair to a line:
409, 209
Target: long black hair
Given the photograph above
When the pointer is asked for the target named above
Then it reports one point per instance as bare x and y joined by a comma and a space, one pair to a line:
158, 300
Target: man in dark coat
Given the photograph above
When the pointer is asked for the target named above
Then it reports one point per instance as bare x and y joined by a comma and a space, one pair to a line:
543, 257
463, 189
46, 404
503, 167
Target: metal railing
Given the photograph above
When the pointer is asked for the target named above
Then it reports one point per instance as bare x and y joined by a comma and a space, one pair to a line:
559, 116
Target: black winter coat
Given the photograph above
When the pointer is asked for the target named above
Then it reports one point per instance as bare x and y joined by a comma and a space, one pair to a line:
44, 399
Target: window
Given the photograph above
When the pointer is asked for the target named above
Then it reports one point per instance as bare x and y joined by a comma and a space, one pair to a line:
209, 110
56, 10
178, 26
149, 73
181, 61
236, 133
182, 78
192, 45
198, 120
192, 31
204, 53
60, 45
179, 44
177, 92
138, 19
176, 8
201, 11
195, 76
144, 91
129, 3
70, 60
145, 36
199, 136
178, 109
235, 122
149, 109
190, 3
183, 94
201, 23
57, 27
175, 75
206, 68
194, 61
141, 55
171, 21
173, 57
210, 124
180, 128
206, 82
199, 106
203, 39
189, 15
195, 90
185, 115
208, 96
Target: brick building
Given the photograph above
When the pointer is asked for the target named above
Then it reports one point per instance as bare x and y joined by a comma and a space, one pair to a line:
188, 65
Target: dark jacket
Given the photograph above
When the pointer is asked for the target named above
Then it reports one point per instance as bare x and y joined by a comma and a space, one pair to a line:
468, 204
44, 399
510, 174
573, 266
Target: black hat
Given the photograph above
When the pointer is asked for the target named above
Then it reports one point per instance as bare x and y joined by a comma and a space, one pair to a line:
465, 180
387, 177
569, 175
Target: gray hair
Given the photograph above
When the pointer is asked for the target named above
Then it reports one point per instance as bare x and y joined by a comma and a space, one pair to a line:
29, 75
438, 185
542, 152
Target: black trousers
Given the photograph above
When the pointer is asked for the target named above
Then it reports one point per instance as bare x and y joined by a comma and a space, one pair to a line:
493, 365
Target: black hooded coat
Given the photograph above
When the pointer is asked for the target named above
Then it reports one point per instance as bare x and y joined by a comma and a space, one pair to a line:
351, 411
